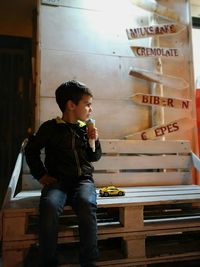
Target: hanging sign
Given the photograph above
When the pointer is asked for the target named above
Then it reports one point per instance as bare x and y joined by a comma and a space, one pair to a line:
166, 80
178, 126
153, 30
155, 100
141, 51
158, 9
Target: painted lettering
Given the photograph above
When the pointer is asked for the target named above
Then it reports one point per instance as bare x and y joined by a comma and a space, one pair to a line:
172, 28
170, 128
176, 127
156, 51
151, 30
143, 136
145, 99
185, 104
156, 100
160, 131
170, 102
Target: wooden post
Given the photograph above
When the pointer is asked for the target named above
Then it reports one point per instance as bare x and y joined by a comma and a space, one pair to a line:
135, 246
132, 217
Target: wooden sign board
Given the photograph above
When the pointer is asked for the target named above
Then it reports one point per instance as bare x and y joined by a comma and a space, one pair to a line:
154, 30
141, 51
166, 80
180, 125
158, 9
155, 100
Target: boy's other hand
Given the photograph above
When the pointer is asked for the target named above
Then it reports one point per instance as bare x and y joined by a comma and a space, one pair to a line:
47, 180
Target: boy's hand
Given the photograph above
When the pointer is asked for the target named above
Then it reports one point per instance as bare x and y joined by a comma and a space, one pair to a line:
47, 180
92, 133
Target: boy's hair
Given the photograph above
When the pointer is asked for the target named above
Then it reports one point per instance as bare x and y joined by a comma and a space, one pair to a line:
71, 90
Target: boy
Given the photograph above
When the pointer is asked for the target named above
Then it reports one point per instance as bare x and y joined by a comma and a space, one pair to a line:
66, 174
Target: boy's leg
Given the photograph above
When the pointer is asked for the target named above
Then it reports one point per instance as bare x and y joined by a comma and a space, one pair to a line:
84, 204
52, 202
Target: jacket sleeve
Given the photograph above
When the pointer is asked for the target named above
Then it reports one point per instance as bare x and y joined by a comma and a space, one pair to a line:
33, 151
95, 156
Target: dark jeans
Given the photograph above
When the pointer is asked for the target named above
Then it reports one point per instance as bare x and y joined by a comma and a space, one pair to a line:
82, 198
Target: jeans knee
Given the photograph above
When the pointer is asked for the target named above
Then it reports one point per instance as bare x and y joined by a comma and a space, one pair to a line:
49, 207
86, 206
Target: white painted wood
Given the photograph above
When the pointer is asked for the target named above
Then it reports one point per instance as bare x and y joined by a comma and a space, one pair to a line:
135, 163
142, 179
191, 198
88, 30
196, 161
125, 179
109, 115
167, 80
89, 42
145, 147
141, 162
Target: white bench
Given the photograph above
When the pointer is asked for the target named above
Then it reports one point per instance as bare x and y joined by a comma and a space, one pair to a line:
152, 222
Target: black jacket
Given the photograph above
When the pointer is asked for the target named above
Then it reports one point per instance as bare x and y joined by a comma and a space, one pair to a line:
67, 154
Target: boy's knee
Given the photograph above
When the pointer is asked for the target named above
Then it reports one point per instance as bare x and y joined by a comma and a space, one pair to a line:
48, 205
86, 204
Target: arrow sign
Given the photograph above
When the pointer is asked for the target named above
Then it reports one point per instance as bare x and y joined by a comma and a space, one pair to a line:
141, 51
154, 30
155, 100
154, 7
166, 80
180, 125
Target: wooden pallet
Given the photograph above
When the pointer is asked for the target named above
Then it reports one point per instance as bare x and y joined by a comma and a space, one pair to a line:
165, 211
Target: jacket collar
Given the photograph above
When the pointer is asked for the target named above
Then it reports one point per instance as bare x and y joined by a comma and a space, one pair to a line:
60, 121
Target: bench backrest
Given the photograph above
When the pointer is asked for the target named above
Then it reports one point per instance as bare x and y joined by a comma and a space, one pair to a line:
136, 163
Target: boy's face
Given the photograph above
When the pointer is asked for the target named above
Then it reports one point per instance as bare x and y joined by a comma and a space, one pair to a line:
83, 110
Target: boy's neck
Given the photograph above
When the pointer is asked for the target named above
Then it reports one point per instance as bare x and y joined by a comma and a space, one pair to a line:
67, 117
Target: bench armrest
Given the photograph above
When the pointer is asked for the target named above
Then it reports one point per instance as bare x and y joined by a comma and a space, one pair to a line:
196, 161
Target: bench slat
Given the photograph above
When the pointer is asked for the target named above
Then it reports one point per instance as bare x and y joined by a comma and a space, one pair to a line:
143, 162
125, 179
151, 200
138, 146
142, 179
134, 195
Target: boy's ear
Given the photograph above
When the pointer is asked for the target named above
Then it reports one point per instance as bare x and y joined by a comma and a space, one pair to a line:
70, 105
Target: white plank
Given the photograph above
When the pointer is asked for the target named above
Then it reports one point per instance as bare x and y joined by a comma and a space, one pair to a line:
196, 161
169, 188
116, 201
145, 196
103, 35
142, 179
29, 183
157, 194
110, 163
124, 179
145, 147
